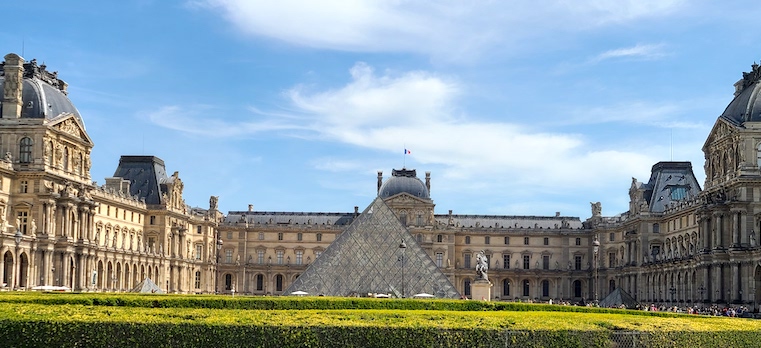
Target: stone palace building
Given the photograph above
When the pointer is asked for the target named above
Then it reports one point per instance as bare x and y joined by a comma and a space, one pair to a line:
677, 243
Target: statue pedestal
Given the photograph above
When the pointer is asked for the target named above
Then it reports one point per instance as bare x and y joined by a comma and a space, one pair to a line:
481, 290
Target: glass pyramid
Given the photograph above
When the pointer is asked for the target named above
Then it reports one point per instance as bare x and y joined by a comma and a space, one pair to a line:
366, 258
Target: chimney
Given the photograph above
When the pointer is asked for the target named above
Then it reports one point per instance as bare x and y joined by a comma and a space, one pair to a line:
13, 68
380, 180
557, 214
250, 207
428, 181
356, 211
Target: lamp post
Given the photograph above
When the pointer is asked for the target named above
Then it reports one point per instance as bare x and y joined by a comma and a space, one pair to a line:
402, 247
219, 250
17, 239
596, 248
702, 290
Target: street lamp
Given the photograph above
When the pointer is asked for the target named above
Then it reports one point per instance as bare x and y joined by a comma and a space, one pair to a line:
219, 250
402, 247
596, 248
17, 239
702, 290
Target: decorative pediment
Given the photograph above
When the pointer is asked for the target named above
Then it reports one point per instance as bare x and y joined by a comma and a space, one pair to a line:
721, 129
71, 125
405, 199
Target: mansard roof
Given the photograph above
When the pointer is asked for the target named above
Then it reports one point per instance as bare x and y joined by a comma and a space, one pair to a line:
670, 182
145, 174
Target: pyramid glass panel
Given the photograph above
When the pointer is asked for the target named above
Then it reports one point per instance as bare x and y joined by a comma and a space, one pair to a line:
367, 258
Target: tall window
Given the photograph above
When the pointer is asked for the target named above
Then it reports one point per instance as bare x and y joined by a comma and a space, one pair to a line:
526, 288
229, 256
526, 261
439, 259
261, 235
279, 282
525, 240
23, 186
578, 241
466, 285
280, 236
546, 241
507, 240
577, 262
419, 220
467, 261
545, 288
199, 251
299, 236
467, 239
319, 237
505, 287
260, 256
545, 261
66, 159
152, 220
506, 261
228, 281
25, 150
299, 257
259, 282
198, 229
611, 260
657, 227
317, 254
22, 218
439, 238
198, 279
487, 240
279, 254
612, 236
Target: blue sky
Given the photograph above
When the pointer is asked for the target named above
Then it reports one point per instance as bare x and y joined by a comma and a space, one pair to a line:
515, 107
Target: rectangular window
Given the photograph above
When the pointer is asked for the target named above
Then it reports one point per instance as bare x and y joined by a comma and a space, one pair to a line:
198, 280
260, 257
419, 220
317, 254
319, 237
22, 218
507, 240
261, 235
23, 186
198, 229
467, 239
487, 240
526, 261
439, 259
612, 236
545, 262
299, 257
546, 241
153, 220
467, 261
577, 262
151, 244
132, 216
656, 228
611, 260
279, 257
506, 261
229, 235
578, 241
299, 236
259, 282
525, 240
280, 236
199, 251
229, 256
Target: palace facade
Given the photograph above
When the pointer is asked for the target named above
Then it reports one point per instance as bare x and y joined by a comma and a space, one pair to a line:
677, 243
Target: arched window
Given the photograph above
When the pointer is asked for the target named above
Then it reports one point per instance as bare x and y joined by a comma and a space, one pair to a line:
545, 288
259, 282
228, 281
526, 288
577, 288
505, 287
467, 287
25, 150
439, 238
279, 282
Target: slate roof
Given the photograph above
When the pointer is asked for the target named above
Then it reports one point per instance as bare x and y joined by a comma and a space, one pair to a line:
746, 106
670, 182
42, 95
145, 174
403, 180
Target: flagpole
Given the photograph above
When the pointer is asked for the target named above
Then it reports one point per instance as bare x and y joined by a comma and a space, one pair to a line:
404, 163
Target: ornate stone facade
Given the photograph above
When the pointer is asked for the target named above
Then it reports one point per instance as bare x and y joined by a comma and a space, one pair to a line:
676, 243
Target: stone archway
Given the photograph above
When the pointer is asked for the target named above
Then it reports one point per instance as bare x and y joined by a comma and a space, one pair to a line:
7, 280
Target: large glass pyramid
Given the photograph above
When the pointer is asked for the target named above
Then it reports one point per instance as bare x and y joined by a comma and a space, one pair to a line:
366, 258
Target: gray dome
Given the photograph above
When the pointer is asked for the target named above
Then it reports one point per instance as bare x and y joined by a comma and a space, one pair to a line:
43, 94
746, 106
406, 181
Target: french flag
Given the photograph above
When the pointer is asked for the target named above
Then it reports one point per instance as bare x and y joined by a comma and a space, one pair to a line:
407, 152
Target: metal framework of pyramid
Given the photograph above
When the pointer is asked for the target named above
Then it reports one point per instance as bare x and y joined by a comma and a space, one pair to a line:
366, 259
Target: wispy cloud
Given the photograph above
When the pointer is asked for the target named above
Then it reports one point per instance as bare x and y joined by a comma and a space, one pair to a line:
450, 29
639, 51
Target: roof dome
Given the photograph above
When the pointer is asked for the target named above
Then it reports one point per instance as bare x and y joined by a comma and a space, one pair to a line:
403, 180
43, 93
746, 107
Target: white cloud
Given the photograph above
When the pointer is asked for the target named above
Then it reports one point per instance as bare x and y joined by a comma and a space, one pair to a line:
639, 51
446, 29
